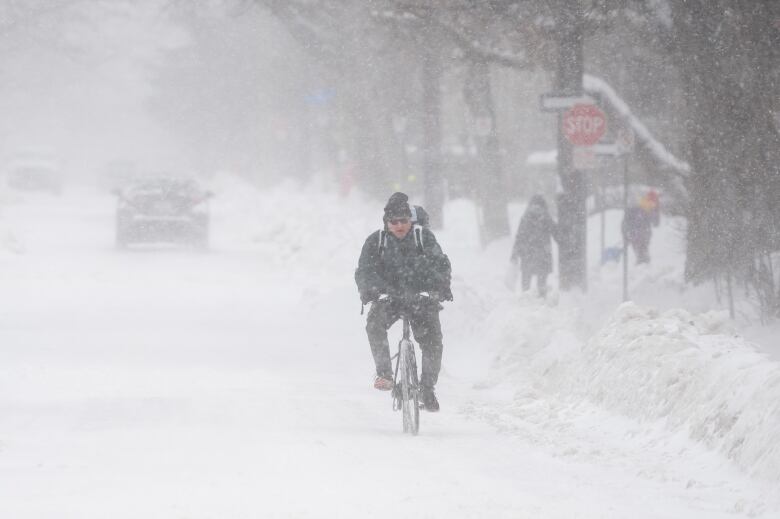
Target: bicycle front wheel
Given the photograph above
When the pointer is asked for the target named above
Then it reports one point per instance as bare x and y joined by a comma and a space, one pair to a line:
410, 394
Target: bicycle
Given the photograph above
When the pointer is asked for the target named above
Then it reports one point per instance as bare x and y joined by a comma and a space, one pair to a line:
406, 383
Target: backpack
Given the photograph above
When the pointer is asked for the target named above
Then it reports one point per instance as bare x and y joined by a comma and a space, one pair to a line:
419, 220
420, 216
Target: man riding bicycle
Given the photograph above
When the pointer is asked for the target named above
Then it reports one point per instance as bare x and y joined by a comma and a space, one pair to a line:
402, 267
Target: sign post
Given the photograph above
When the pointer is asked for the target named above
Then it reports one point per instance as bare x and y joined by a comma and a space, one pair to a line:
625, 144
583, 158
582, 126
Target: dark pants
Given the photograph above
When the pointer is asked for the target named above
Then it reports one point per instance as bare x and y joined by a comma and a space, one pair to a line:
541, 281
427, 332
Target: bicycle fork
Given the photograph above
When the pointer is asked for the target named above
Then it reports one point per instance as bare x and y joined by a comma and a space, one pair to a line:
397, 398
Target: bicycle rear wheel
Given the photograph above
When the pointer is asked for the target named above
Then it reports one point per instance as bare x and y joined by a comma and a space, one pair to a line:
410, 394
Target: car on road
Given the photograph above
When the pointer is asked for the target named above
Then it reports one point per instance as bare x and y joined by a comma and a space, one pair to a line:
169, 210
34, 171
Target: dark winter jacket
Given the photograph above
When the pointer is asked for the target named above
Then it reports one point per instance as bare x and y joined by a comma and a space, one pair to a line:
401, 269
533, 244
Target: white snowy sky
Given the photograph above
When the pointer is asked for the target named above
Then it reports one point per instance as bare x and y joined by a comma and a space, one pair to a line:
78, 77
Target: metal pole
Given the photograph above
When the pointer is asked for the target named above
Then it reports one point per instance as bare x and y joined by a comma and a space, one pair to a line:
603, 215
625, 241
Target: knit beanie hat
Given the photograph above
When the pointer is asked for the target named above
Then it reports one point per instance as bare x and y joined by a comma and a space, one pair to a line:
397, 207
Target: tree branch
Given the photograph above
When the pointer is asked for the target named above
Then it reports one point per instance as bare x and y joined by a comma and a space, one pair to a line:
472, 49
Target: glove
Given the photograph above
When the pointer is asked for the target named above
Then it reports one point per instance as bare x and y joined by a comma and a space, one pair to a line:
368, 296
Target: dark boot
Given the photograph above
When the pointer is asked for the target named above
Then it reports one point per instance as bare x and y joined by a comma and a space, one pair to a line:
429, 399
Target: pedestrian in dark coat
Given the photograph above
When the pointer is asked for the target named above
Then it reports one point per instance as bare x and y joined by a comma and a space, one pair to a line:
533, 244
396, 264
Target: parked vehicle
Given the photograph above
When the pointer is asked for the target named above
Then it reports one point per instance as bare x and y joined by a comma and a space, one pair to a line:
163, 210
34, 171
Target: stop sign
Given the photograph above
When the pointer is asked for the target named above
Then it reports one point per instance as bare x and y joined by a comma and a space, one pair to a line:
584, 125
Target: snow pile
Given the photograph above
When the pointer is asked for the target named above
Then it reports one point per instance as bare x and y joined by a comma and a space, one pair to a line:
683, 371
293, 219
313, 237
529, 336
315, 227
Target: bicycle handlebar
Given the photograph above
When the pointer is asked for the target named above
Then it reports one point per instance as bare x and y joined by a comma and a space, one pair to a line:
408, 298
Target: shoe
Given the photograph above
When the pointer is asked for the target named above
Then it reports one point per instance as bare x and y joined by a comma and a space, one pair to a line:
382, 383
429, 400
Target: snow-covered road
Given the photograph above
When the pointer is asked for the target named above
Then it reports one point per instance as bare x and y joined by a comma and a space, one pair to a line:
235, 383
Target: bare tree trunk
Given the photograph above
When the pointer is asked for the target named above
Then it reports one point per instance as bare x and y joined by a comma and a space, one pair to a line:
432, 138
371, 169
489, 181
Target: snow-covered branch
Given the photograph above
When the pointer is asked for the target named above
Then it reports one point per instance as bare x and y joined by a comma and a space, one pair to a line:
596, 85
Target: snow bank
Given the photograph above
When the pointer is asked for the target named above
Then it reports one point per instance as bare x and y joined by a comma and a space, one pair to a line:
681, 370
314, 237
